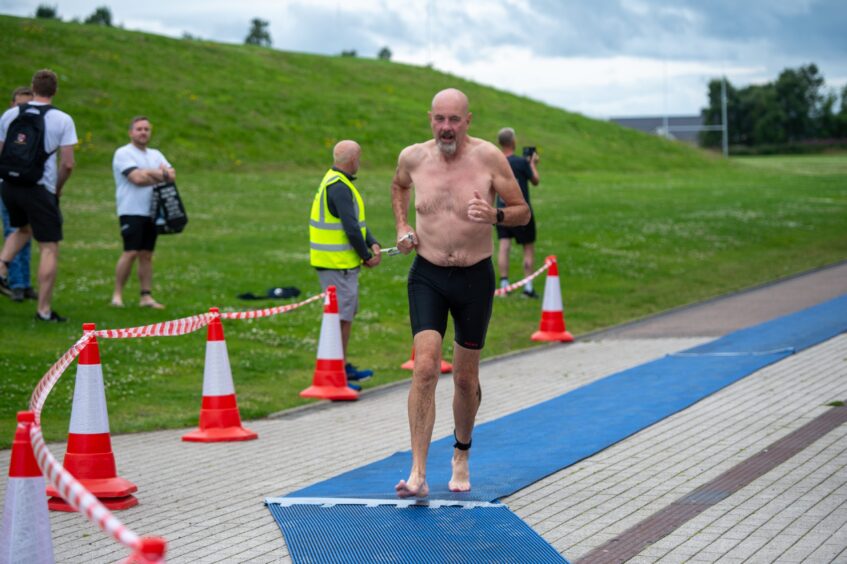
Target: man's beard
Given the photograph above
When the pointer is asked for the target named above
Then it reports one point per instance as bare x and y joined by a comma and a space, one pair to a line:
448, 149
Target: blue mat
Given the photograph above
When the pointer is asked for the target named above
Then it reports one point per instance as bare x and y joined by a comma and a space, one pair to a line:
356, 534
517, 450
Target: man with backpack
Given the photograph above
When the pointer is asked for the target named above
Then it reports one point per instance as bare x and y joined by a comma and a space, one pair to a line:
20, 280
36, 159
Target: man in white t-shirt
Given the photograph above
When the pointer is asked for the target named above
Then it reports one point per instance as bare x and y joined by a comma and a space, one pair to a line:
34, 208
137, 169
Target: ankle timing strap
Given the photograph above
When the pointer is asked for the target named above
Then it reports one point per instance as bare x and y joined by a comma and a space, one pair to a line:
460, 445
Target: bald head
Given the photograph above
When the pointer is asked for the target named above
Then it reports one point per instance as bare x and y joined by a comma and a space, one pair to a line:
346, 155
451, 97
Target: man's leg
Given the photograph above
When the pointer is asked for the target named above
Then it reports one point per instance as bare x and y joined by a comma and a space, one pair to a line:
122, 272
528, 265
19, 275
47, 268
467, 396
421, 409
503, 260
12, 246
346, 327
145, 278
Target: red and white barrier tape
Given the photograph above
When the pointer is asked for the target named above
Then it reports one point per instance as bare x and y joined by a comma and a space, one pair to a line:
164, 329
511, 287
257, 313
76, 495
42, 390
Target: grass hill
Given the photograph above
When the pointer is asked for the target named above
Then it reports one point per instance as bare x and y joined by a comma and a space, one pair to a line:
234, 107
638, 224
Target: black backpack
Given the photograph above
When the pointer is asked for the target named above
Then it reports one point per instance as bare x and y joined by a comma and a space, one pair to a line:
23, 156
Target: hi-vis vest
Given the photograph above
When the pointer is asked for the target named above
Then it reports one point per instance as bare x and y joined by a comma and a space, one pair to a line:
328, 244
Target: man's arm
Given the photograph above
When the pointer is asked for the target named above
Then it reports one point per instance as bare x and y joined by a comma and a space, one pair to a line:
148, 176
533, 167
340, 200
516, 211
401, 195
66, 167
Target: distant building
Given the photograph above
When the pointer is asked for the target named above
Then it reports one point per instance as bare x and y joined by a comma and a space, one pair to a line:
681, 128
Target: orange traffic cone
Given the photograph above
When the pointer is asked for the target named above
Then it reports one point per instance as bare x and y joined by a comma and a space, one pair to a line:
25, 533
446, 367
219, 417
330, 379
151, 550
552, 326
89, 457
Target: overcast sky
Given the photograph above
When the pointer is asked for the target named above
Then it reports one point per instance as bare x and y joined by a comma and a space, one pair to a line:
603, 58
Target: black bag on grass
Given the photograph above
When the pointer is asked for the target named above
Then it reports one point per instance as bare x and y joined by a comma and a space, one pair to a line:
168, 211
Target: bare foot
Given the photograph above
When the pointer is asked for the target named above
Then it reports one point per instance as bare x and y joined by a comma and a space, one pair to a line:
117, 302
461, 480
151, 303
412, 488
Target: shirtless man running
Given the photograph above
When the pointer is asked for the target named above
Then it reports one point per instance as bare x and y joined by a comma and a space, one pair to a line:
455, 178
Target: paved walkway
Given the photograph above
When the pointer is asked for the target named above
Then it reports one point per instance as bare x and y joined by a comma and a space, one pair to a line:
206, 499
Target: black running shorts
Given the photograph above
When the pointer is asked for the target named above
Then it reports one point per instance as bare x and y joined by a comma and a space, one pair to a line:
467, 292
522, 234
138, 232
35, 206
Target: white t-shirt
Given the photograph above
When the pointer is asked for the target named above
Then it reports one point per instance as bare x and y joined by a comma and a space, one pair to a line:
59, 131
133, 199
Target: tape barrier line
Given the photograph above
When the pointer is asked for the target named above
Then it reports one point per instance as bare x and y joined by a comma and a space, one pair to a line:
76, 495
257, 313
42, 390
512, 287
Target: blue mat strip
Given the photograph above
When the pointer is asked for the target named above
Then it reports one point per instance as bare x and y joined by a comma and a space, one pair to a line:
357, 534
517, 450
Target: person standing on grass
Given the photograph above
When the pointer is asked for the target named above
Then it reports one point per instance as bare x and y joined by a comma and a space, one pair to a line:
20, 287
525, 170
455, 178
33, 206
137, 169
340, 242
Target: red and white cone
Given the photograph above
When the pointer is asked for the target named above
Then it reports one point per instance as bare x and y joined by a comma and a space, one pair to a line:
446, 367
25, 533
552, 326
89, 457
219, 417
151, 550
330, 379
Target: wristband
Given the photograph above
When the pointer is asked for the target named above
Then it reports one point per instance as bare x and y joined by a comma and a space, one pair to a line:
501, 215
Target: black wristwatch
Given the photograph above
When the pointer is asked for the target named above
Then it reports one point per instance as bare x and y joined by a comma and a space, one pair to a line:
501, 215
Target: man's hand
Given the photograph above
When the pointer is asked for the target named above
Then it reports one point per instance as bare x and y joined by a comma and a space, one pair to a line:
376, 258
407, 239
480, 211
534, 158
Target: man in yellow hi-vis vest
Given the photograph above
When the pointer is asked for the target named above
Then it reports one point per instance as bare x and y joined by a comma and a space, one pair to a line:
340, 242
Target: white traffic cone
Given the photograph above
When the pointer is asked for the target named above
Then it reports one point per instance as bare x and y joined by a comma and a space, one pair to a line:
220, 419
330, 379
89, 457
25, 533
552, 326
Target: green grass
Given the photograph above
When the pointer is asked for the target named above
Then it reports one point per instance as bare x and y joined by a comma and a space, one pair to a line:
639, 225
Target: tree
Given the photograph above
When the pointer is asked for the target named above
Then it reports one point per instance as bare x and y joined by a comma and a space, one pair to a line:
46, 12
101, 16
384, 54
350, 53
259, 34
798, 94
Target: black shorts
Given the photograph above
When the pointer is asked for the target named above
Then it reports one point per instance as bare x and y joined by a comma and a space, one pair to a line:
522, 234
35, 206
139, 232
467, 292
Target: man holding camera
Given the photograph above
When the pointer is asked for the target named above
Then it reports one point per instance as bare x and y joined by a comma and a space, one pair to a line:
525, 169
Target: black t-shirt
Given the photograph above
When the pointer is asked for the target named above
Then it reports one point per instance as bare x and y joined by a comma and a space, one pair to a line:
523, 173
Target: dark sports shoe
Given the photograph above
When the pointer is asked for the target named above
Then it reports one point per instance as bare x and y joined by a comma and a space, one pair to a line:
4, 286
356, 375
30, 294
54, 318
17, 294
354, 387
530, 294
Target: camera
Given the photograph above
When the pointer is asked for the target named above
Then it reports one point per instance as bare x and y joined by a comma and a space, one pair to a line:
528, 152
